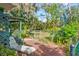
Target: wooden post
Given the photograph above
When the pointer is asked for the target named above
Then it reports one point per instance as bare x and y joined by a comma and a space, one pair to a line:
20, 27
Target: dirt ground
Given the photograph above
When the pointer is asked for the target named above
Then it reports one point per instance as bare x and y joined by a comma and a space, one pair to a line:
43, 49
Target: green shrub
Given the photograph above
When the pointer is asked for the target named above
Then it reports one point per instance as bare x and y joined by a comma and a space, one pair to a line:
6, 51
1, 9
66, 33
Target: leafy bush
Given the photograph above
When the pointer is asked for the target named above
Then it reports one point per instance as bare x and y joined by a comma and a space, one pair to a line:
66, 33
1, 9
6, 52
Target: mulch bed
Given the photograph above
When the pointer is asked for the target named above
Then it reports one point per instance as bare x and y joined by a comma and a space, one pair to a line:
44, 49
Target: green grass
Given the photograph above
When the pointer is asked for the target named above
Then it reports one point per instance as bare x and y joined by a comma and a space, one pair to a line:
6, 52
